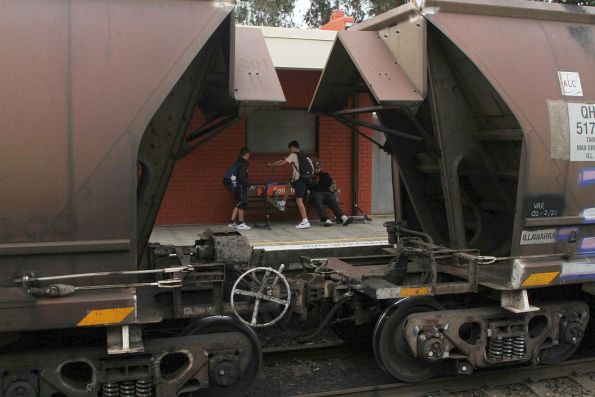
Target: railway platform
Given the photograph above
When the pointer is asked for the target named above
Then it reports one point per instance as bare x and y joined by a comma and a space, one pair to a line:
286, 244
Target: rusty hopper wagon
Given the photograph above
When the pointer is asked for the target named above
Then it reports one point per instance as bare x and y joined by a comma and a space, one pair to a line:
96, 100
489, 112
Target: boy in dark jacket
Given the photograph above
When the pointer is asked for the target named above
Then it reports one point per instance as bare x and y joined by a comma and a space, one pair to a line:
241, 192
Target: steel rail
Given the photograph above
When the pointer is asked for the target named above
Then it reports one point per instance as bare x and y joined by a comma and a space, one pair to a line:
486, 378
311, 351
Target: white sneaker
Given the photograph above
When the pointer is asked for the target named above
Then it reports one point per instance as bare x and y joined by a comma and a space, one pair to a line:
303, 225
327, 223
232, 225
347, 220
243, 226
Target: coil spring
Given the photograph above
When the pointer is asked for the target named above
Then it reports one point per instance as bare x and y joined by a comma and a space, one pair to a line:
144, 387
518, 346
128, 389
507, 348
495, 349
110, 389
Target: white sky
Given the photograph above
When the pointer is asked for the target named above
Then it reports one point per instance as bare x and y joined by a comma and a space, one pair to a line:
301, 6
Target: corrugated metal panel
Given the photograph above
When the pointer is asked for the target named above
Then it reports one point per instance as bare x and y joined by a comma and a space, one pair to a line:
255, 78
362, 59
379, 69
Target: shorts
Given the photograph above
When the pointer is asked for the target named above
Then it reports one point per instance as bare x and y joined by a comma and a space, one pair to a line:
241, 197
300, 186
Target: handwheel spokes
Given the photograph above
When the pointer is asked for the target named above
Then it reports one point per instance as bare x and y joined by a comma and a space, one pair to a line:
263, 283
276, 280
264, 293
255, 312
260, 296
243, 292
275, 300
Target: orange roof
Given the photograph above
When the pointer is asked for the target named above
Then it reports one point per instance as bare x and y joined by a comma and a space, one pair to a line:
338, 21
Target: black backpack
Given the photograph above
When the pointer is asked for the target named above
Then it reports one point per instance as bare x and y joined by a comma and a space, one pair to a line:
306, 169
230, 180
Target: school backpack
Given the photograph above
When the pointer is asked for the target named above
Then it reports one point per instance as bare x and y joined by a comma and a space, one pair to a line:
230, 180
306, 169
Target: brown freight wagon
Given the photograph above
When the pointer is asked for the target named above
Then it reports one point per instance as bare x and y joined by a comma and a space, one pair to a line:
489, 112
96, 98
488, 108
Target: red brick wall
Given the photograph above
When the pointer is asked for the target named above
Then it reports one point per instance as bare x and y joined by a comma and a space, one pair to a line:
195, 193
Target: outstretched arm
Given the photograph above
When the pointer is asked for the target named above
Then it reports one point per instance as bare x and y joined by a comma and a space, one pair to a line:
277, 163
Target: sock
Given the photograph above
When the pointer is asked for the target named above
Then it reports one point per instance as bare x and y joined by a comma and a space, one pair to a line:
305, 220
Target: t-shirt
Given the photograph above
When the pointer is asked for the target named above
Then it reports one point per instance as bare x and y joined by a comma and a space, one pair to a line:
295, 165
323, 182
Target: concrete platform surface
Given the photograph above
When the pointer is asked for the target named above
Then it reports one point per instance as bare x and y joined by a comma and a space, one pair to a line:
284, 235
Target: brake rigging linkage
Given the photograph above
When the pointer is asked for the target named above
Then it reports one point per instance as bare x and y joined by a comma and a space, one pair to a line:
56, 290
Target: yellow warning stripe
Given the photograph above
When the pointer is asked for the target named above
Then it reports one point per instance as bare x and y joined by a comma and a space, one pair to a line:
540, 279
416, 291
105, 316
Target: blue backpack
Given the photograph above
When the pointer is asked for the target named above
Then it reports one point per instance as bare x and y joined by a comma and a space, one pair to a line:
230, 180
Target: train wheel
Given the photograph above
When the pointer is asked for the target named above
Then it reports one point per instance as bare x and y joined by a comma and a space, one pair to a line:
391, 350
571, 335
227, 378
557, 354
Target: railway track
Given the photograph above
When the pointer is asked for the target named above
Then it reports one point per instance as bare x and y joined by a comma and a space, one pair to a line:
310, 351
335, 368
488, 381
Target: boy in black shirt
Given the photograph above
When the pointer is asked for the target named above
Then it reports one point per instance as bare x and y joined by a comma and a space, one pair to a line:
241, 191
320, 194
298, 181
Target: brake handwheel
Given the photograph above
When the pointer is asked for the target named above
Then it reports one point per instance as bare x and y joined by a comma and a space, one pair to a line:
271, 287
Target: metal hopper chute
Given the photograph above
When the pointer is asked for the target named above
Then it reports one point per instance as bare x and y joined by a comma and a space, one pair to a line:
246, 81
361, 61
539, 58
112, 87
254, 79
505, 87
82, 84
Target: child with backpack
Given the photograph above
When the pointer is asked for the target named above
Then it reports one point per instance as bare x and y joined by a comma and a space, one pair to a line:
236, 181
302, 173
